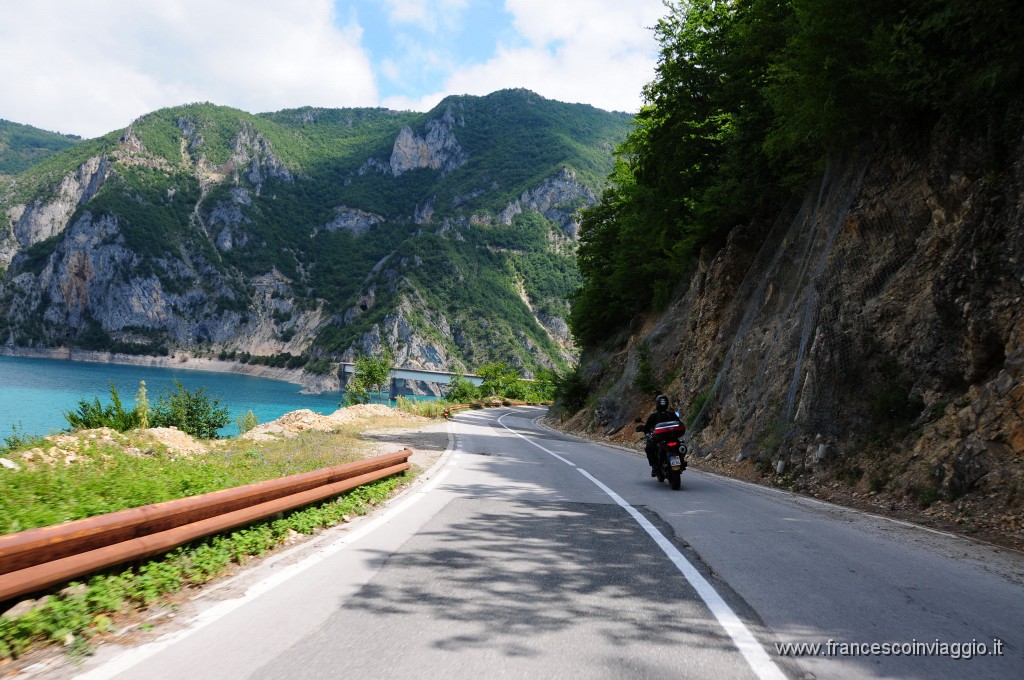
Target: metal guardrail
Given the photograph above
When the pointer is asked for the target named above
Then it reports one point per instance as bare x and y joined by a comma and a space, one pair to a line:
38, 558
491, 404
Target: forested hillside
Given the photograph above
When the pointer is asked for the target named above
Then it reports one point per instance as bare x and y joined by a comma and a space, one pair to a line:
813, 240
302, 237
23, 145
754, 97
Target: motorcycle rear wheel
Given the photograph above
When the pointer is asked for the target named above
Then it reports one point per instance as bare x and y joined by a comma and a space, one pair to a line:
675, 479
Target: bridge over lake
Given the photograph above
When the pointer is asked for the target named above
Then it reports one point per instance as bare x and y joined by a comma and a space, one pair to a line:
439, 377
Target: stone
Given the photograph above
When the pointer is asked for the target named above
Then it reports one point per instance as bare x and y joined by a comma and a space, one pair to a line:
1004, 382
75, 590
9, 464
24, 607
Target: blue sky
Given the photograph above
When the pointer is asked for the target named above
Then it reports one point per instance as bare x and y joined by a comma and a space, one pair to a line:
89, 68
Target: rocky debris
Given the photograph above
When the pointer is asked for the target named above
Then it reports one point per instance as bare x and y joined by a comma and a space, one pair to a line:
291, 424
9, 464
175, 440
67, 449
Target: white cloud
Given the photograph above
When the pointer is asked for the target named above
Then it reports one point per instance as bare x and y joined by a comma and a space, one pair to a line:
601, 52
89, 68
431, 15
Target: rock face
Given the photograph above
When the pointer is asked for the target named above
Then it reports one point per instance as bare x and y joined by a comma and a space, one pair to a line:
438, 150
875, 337
353, 220
29, 224
558, 198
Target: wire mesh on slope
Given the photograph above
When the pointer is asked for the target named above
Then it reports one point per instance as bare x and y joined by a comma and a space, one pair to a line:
797, 334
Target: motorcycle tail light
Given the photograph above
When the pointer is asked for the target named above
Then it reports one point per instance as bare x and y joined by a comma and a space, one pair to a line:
671, 443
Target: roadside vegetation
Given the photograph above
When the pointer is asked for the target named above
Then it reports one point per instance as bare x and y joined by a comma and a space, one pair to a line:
192, 412
105, 602
501, 382
109, 461
752, 98
77, 475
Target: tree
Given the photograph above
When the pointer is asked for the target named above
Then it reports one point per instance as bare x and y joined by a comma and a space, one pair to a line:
460, 391
370, 376
93, 414
501, 380
571, 390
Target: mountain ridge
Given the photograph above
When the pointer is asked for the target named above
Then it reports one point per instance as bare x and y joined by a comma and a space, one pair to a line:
445, 236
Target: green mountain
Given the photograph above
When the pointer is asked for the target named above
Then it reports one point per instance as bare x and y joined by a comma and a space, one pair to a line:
311, 234
21, 146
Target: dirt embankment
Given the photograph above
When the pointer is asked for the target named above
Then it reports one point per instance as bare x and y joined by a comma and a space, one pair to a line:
375, 423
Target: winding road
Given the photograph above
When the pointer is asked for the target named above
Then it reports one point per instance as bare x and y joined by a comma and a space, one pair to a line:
525, 553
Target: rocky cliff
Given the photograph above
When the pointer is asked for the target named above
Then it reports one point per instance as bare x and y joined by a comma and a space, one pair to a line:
868, 347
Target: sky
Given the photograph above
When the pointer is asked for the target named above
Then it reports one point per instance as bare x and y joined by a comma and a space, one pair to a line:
88, 68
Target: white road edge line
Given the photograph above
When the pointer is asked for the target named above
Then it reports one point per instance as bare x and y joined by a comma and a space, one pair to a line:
133, 657
749, 647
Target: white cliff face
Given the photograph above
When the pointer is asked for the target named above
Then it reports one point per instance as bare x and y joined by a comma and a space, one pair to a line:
557, 198
252, 158
438, 150
353, 220
38, 221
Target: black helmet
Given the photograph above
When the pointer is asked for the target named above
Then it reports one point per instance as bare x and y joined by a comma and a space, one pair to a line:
661, 403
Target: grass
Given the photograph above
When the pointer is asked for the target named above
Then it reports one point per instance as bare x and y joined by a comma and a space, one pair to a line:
108, 478
76, 615
128, 470
428, 408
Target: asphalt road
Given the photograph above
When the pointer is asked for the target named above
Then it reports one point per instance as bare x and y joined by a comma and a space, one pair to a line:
528, 554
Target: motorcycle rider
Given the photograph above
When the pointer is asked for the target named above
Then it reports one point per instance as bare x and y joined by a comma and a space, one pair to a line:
661, 415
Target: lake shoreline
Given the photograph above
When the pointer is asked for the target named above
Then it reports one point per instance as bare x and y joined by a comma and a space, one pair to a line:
311, 383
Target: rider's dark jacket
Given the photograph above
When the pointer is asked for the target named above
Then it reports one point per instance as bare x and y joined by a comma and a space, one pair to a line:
659, 417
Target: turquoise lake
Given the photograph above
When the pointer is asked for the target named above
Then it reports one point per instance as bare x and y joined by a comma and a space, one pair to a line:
35, 393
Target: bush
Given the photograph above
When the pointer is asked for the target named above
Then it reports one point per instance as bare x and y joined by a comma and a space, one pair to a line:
91, 415
428, 408
501, 380
194, 413
644, 381
246, 422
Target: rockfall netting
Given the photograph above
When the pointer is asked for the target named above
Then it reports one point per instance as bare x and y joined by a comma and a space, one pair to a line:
798, 339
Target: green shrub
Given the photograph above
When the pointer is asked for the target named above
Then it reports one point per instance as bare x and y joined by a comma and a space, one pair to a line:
191, 412
246, 422
571, 390
93, 414
428, 408
644, 381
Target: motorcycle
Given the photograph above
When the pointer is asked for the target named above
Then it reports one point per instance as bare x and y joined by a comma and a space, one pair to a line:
668, 437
